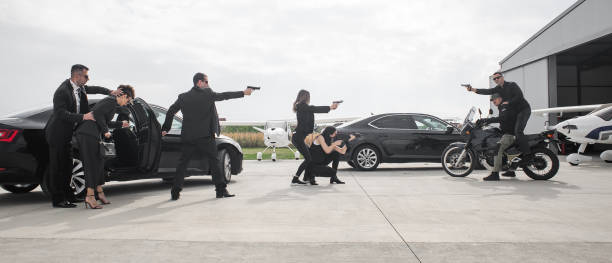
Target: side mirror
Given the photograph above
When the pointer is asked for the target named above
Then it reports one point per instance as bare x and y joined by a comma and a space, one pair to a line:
449, 129
490, 111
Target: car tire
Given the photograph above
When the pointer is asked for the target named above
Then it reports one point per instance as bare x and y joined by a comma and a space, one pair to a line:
225, 163
366, 157
19, 188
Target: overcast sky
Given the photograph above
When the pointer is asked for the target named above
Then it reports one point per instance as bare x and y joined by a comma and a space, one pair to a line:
378, 56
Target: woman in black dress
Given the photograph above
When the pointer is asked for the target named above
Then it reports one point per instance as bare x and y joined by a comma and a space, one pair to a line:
305, 125
89, 134
325, 150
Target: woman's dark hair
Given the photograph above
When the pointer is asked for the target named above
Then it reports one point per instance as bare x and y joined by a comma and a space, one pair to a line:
303, 96
127, 90
327, 132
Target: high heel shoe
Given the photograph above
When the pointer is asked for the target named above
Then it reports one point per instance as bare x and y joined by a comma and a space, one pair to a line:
335, 180
102, 198
90, 204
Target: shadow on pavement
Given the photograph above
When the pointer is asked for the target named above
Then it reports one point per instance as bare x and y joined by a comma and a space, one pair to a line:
530, 189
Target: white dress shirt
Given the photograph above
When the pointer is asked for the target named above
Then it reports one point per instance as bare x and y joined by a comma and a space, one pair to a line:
77, 96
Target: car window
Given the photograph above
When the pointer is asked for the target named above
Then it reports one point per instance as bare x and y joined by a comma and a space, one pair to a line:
605, 114
160, 115
395, 122
429, 123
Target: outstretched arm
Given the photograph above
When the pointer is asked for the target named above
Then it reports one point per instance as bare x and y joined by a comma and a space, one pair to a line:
97, 90
227, 95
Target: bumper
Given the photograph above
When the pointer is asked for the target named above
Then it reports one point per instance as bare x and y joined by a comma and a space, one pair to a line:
18, 168
17, 176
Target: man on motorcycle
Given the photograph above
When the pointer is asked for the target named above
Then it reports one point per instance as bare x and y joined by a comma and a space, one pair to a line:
512, 96
507, 122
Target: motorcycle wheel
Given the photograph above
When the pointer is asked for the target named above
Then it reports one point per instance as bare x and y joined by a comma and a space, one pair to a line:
449, 159
543, 166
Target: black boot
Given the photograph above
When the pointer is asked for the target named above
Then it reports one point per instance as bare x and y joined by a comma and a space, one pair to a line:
175, 194
312, 181
223, 193
509, 174
494, 176
335, 179
296, 180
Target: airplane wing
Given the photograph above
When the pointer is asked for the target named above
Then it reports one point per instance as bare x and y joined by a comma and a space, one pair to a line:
583, 108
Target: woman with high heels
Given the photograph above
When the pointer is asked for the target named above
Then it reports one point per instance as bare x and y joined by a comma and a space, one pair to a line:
89, 134
305, 125
326, 150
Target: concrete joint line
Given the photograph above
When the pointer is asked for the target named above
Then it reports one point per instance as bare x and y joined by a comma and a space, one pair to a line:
386, 218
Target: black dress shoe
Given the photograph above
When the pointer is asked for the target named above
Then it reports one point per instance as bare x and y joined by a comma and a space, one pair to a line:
335, 179
224, 193
175, 194
494, 176
296, 180
64, 204
509, 174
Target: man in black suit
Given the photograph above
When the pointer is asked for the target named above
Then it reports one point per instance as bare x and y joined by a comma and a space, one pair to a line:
70, 107
200, 126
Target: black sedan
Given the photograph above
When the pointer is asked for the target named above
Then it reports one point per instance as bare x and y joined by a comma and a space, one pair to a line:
140, 152
396, 138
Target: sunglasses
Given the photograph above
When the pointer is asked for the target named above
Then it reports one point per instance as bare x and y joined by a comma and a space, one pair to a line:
496, 78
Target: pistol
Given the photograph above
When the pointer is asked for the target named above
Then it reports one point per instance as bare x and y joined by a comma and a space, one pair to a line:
466, 85
253, 87
338, 101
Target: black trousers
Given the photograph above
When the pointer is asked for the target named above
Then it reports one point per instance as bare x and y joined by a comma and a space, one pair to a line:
298, 141
60, 171
320, 165
208, 149
93, 161
519, 129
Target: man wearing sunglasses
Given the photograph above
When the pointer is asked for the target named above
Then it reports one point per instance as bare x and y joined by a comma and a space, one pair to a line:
70, 107
512, 96
200, 126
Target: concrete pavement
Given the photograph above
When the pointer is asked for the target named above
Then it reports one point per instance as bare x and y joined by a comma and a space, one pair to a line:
399, 213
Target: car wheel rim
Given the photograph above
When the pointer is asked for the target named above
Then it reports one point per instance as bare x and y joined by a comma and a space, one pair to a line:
227, 165
367, 158
77, 181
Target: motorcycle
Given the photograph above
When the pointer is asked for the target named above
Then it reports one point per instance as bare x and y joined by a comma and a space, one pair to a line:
460, 158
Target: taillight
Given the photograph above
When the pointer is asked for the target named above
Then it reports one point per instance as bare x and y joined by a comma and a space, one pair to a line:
8, 135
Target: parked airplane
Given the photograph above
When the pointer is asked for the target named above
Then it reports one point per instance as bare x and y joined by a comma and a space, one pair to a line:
595, 127
277, 134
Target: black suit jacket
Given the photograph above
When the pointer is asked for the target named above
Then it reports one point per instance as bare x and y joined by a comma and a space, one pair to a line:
305, 116
200, 117
60, 126
103, 112
509, 92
